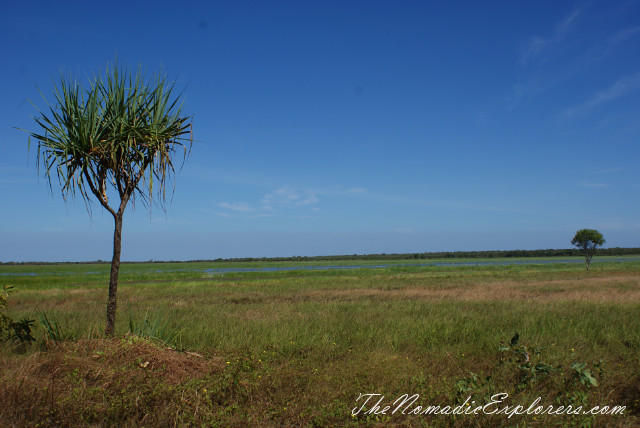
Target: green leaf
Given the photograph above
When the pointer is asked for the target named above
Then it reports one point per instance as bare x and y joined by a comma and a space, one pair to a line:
514, 340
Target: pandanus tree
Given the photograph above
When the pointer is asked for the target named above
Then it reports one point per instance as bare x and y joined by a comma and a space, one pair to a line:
115, 140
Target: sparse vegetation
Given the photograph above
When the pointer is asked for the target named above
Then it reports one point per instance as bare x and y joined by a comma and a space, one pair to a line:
297, 348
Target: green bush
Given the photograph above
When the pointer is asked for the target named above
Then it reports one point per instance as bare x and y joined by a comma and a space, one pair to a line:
17, 333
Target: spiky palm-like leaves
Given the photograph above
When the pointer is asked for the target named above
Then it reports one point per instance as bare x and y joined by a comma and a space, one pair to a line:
118, 136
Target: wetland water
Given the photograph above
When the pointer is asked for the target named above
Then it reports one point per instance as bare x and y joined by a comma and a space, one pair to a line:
387, 265
340, 267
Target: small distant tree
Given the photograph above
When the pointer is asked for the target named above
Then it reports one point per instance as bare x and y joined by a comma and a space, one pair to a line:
588, 240
113, 140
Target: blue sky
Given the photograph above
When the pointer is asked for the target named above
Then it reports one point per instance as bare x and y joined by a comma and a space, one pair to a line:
344, 127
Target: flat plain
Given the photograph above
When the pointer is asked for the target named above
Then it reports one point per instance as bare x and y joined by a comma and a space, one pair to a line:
196, 345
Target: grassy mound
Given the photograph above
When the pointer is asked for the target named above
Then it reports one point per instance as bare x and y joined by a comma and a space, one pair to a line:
124, 382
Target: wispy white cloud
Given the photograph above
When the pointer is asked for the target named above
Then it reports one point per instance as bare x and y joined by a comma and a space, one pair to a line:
537, 46
620, 88
309, 200
287, 197
548, 61
286, 201
539, 60
357, 190
235, 206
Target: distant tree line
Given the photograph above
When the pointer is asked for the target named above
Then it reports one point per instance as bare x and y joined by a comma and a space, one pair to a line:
442, 255
616, 251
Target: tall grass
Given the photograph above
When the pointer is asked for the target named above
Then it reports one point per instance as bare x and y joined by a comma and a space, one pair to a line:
299, 347
157, 327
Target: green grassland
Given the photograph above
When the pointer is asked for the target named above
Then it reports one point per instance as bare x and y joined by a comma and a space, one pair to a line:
298, 347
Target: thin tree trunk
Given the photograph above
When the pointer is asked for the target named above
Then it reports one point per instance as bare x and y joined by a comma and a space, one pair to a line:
113, 279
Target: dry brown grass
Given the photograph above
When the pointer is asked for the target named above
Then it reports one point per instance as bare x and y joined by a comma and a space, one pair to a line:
614, 289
